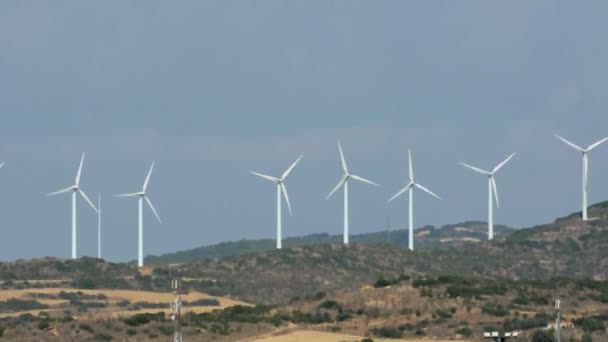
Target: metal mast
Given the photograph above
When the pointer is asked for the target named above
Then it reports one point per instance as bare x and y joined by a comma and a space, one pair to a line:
176, 311
558, 321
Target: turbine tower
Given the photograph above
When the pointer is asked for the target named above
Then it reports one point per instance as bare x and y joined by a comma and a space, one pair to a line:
75, 189
585, 153
344, 183
410, 188
280, 182
492, 191
142, 196
99, 226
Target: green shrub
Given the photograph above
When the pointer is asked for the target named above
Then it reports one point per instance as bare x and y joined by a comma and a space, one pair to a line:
43, 325
86, 327
12, 305
102, 337
387, 331
330, 305
464, 331
586, 338
543, 336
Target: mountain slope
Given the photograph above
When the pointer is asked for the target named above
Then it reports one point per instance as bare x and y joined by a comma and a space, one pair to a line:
566, 248
426, 237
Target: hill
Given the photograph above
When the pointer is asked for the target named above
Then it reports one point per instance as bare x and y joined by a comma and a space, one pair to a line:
426, 237
568, 247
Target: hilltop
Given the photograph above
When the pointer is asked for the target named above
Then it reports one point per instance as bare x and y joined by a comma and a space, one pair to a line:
426, 237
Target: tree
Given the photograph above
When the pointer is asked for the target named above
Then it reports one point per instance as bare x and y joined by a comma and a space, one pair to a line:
543, 336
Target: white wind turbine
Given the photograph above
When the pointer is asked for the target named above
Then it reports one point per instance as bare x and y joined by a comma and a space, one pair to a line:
280, 182
585, 168
344, 182
142, 196
492, 190
410, 187
75, 189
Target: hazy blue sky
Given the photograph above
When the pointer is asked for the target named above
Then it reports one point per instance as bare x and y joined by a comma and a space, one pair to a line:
212, 89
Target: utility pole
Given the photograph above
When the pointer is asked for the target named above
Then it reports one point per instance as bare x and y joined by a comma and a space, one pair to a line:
558, 321
176, 311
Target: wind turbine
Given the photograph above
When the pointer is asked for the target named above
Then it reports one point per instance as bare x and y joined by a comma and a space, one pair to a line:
280, 182
75, 189
142, 196
492, 190
344, 183
585, 168
410, 188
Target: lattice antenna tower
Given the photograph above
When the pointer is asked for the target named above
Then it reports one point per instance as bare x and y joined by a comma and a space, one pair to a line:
176, 311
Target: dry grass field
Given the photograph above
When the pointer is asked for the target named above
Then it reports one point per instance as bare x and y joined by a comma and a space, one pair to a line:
319, 336
113, 297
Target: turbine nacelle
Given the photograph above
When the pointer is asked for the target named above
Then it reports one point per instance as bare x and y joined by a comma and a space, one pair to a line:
76, 187
346, 176
142, 194
280, 182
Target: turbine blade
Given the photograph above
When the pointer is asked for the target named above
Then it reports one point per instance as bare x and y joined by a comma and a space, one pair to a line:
288, 171
344, 167
153, 210
63, 191
361, 179
597, 144
409, 152
79, 173
495, 190
504, 162
576, 147
284, 190
407, 187
338, 186
476, 169
270, 178
426, 190
148, 177
86, 198
1, 165
133, 194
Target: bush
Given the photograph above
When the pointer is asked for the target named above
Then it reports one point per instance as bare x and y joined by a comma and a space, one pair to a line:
145, 318
330, 305
86, 327
21, 305
203, 302
590, 324
586, 338
131, 332
464, 331
43, 325
542, 336
102, 337
387, 331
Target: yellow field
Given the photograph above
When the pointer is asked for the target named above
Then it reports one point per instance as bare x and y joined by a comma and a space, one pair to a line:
318, 336
115, 296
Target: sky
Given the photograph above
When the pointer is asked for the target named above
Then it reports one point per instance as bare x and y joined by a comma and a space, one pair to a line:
214, 89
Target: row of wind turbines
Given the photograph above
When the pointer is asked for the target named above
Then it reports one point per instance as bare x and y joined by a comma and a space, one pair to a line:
412, 184
343, 183
76, 189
